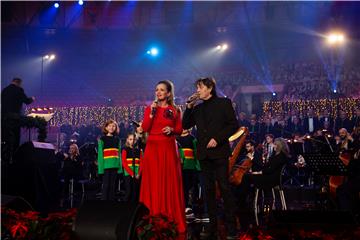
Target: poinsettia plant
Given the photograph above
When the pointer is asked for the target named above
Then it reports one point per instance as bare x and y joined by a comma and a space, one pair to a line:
153, 227
31, 226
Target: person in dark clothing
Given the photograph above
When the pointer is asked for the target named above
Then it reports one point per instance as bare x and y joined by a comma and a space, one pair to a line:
343, 122
12, 99
72, 167
310, 123
257, 161
269, 176
356, 118
216, 121
348, 193
266, 128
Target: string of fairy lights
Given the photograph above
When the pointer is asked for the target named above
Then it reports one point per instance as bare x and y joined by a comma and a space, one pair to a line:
332, 105
77, 116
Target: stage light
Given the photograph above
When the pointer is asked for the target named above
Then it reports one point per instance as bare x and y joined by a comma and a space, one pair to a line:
56, 5
81, 2
335, 91
335, 38
153, 52
52, 57
46, 57
274, 94
218, 47
224, 47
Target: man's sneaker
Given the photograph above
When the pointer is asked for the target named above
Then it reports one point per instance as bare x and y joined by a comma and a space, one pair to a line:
189, 213
203, 218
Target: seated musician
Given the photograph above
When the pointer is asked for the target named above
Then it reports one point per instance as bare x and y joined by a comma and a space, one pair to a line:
346, 141
262, 176
348, 192
241, 192
269, 176
254, 155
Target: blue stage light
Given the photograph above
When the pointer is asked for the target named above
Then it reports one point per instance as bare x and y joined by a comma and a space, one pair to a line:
56, 5
274, 94
335, 91
153, 52
81, 2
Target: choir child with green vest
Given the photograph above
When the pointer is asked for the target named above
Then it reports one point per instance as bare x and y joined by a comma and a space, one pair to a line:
190, 166
109, 158
131, 161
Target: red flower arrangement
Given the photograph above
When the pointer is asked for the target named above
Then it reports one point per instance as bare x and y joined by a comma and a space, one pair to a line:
30, 226
153, 227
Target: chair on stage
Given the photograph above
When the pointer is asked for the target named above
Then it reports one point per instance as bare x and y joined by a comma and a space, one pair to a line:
278, 187
81, 182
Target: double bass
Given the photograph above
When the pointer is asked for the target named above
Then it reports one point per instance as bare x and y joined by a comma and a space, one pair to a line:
236, 172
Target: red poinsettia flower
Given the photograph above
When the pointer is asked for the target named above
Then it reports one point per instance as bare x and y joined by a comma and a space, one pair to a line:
19, 230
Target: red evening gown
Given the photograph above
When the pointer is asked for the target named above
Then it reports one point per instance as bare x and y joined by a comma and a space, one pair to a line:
161, 183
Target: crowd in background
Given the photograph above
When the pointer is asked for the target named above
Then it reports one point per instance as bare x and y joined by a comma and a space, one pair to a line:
303, 80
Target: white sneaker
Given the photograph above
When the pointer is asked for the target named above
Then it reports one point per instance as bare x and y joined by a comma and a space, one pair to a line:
189, 213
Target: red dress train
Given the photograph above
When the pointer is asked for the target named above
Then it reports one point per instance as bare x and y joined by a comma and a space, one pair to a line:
161, 184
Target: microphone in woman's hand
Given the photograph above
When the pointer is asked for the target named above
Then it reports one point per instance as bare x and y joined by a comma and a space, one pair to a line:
153, 110
135, 123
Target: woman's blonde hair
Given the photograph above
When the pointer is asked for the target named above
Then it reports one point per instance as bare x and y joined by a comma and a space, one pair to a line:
77, 151
282, 146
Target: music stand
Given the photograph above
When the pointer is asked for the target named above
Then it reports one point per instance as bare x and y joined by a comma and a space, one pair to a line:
326, 164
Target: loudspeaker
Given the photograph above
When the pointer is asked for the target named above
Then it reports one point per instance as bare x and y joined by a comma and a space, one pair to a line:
34, 175
312, 218
15, 203
108, 220
37, 153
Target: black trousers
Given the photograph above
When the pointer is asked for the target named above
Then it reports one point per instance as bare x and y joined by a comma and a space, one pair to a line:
217, 170
108, 191
132, 189
190, 181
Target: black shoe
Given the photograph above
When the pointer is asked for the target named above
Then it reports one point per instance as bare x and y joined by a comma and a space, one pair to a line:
230, 237
208, 235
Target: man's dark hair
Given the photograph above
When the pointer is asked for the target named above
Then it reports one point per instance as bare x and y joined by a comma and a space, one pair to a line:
251, 142
17, 80
208, 82
269, 135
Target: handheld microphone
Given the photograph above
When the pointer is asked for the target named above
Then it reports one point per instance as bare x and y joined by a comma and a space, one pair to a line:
153, 110
135, 123
192, 98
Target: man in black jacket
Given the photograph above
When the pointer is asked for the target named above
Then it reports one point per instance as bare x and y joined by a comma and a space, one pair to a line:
216, 121
12, 99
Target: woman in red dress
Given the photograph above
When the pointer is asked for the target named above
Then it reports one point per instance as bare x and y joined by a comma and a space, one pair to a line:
161, 184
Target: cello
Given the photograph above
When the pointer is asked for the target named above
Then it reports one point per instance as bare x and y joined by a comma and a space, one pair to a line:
236, 172
336, 181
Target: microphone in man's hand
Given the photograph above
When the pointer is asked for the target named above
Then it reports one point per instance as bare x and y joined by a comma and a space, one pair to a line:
193, 98
153, 110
